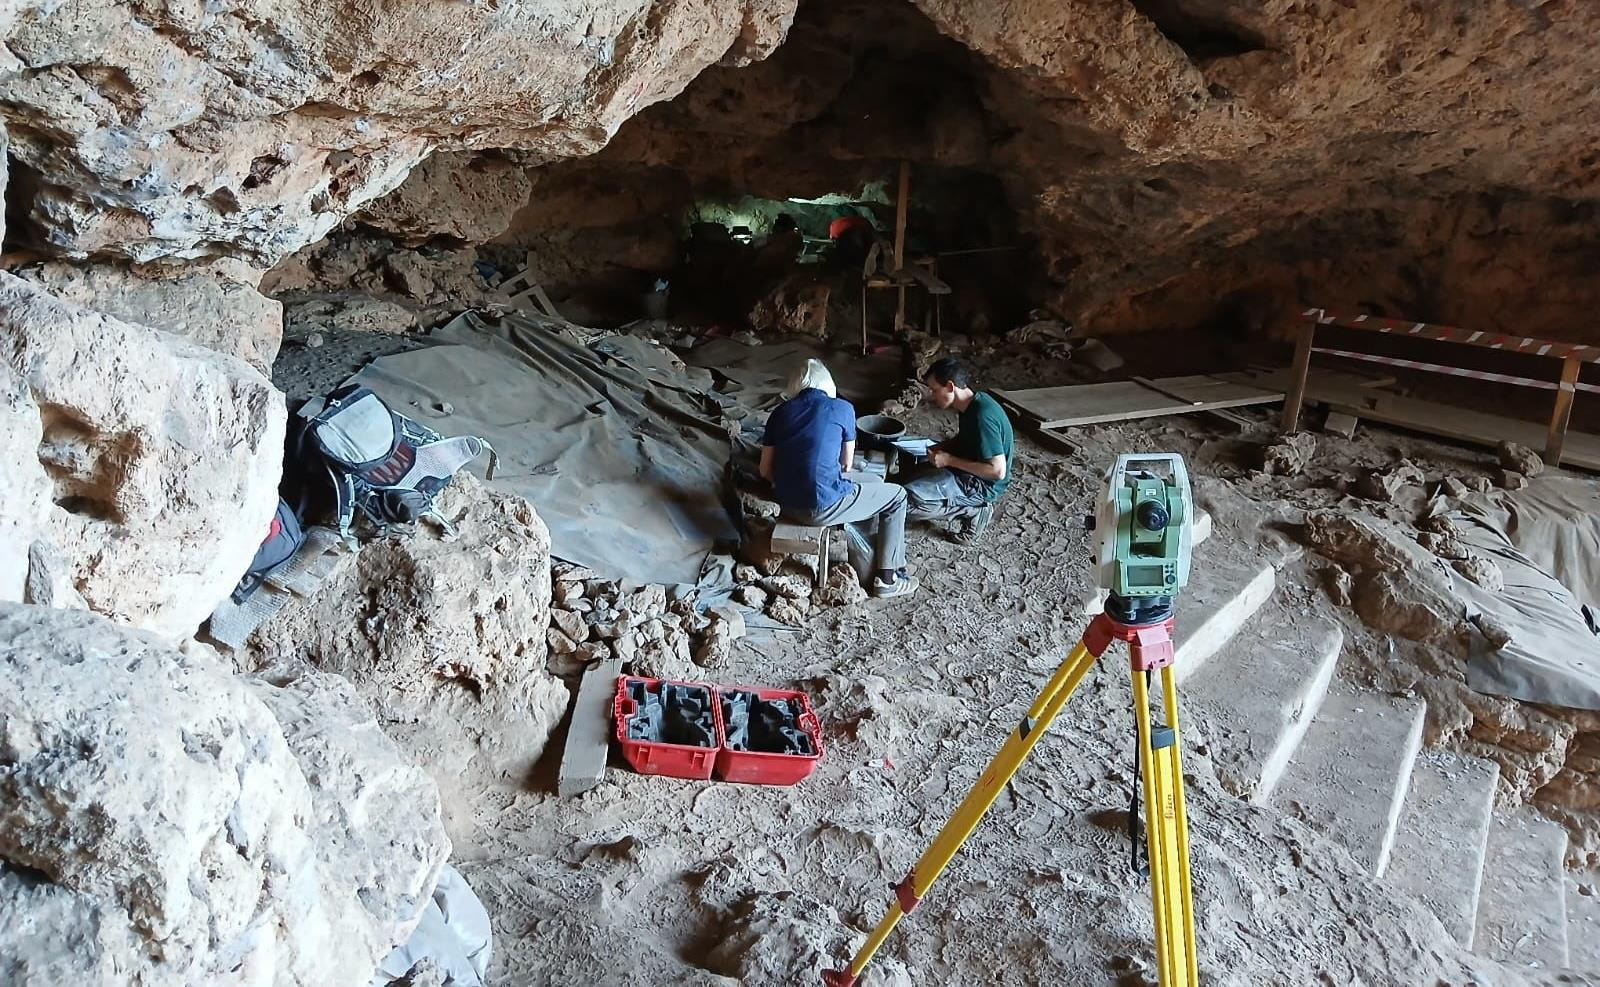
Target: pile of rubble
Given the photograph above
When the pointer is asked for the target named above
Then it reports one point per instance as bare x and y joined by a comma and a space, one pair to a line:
660, 634
789, 597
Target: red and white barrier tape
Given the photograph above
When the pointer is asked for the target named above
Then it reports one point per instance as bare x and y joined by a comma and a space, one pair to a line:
1392, 361
1451, 334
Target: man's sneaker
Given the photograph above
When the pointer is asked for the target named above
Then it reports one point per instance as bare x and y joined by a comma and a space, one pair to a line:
903, 585
973, 526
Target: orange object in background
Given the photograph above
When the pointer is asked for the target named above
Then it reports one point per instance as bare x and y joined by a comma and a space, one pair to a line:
844, 224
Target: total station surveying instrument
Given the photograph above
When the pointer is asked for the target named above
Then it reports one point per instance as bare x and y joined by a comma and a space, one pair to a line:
1144, 524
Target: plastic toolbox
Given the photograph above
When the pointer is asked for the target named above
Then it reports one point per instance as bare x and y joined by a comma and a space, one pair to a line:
769, 753
652, 729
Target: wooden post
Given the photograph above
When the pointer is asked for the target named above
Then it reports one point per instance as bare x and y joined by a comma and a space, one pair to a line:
1563, 411
1297, 377
864, 349
901, 203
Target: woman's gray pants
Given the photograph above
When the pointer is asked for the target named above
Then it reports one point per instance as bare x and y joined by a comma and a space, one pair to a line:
883, 502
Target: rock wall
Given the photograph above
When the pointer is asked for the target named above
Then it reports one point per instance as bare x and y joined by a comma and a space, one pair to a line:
1207, 132
154, 131
165, 822
144, 470
213, 303
1180, 162
461, 196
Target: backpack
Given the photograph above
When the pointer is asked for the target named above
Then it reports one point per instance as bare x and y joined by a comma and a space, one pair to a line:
383, 464
284, 538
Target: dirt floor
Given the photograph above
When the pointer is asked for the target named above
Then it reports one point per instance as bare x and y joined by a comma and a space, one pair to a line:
649, 880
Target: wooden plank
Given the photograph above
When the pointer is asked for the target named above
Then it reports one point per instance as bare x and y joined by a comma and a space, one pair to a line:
1233, 418
1557, 435
1089, 404
1156, 386
1213, 392
796, 539
865, 349
1451, 334
1278, 379
544, 303
1055, 441
1127, 400
1017, 410
927, 280
1296, 393
1461, 424
901, 206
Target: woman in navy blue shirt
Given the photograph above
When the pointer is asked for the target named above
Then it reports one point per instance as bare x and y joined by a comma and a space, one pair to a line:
806, 454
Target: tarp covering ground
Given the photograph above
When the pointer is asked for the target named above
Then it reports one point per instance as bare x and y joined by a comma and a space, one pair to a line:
1545, 539
621, 449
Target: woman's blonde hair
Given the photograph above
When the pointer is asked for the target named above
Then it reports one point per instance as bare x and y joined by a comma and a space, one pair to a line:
811, 374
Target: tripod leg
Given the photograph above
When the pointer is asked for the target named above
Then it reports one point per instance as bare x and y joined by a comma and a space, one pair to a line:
1167, 836
973, 808
1169, 689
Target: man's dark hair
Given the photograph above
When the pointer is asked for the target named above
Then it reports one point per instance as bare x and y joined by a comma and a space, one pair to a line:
951, 370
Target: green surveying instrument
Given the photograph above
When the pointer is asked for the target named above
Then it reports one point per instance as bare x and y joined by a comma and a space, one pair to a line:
1144, 527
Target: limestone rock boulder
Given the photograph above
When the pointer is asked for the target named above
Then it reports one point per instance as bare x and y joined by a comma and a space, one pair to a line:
215, 304
24, 489
377, 817
163, 821
1289, 456
251, 129
1399, 586
51, 935
158, 460
1519, 459
447, 638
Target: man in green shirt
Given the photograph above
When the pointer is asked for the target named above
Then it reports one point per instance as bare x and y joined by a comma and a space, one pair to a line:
971, 469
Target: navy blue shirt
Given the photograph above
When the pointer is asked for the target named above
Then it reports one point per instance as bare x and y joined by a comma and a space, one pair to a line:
807, 434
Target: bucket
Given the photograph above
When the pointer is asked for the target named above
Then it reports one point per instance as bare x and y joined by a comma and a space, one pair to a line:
876, 432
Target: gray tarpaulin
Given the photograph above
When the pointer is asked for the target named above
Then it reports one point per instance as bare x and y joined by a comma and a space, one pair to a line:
756, 374
1553, 656
1555, 521
624, 457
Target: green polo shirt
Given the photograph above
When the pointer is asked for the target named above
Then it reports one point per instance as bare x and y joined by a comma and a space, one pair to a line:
984, 432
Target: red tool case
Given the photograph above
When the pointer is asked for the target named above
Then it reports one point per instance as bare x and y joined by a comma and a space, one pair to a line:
745, 767
654, 758
760, 768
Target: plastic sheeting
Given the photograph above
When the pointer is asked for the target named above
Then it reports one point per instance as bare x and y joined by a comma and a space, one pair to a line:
1553, 656
1555, 521
620, 447
756, 375
453, 933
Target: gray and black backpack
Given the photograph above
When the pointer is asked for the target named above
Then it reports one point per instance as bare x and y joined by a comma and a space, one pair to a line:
384, 465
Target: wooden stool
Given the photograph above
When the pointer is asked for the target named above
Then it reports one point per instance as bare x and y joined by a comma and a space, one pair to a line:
789, 538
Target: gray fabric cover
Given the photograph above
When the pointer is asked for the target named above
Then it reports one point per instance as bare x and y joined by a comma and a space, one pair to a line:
623, 454
1553, 657
1555, 521
453, 932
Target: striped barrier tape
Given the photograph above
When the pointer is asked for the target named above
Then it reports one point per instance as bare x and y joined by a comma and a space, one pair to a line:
1451, 334
1392, 361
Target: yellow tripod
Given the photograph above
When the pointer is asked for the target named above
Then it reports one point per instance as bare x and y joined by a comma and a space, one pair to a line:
1161, 775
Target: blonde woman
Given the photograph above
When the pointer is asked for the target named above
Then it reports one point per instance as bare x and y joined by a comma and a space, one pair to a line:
806, 454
